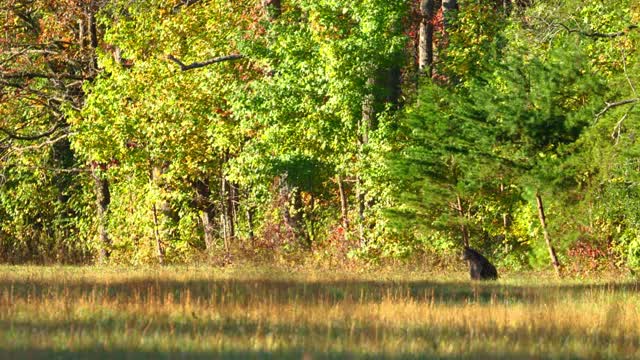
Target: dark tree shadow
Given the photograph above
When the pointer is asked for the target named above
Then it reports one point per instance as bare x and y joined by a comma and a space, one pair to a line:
245, 291
231, 355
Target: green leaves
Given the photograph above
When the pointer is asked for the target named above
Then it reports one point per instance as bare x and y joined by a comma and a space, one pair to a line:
308, 122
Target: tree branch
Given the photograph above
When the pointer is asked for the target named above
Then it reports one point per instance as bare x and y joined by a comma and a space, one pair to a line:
615, 135
196, 65
33, 75
615, 104
597, 34
16, 136
40, 145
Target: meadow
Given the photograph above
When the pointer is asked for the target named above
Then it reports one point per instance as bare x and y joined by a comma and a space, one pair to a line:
296, 313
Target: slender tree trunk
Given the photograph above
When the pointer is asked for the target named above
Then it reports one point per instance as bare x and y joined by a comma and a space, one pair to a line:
463, 227
225, 218
231, 209
505, 222
344, 206
93, 33
295, 216
225, 236
103, 198
361, 215
235, 199
156, 233
207, 211
368, 112
101, 184
312, 221
365, 125
425, 40
163, 214
543, 223
208, 229
249, 214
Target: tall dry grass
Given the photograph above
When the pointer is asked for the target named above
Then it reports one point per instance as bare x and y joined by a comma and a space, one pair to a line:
281, 313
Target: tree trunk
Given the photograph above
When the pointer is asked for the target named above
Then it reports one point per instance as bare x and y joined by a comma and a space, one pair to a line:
225, 236
93, 33
230, 209
101, 184
208, 229
163, 213
312, 223
344, 206
234, 201
361, 215
299, 207
207, 212
505, 221
364, 127
552, 252
157, 235
227, 231
103, 198
463, 227
293, 212
250, 225
425, 40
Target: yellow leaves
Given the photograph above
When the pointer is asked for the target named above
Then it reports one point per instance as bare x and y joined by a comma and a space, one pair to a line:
635, 13
618, 180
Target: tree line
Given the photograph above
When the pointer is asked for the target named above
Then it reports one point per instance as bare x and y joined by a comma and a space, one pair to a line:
165, 131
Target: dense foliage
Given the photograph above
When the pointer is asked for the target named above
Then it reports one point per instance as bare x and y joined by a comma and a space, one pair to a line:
173, 131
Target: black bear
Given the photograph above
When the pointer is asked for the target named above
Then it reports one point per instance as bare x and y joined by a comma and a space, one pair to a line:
479, 267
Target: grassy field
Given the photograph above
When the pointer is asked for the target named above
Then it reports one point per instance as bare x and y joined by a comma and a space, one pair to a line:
249, 313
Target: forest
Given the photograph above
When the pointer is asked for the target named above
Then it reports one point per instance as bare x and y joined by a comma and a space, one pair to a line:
187, 131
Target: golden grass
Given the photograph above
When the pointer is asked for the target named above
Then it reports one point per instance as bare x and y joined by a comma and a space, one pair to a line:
58, 312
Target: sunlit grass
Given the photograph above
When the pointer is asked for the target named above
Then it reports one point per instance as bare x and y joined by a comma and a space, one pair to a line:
244, 312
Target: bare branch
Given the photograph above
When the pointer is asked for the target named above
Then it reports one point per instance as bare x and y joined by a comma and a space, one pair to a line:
196, 65
56, 170
40, 145
626, 74
16, 136
33, 75
615, 104
617, 129
597, 34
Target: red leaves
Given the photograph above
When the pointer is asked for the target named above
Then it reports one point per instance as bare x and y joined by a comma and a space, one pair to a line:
587, 250
438, 21
104, 166
587, 256
132, 144
223, 113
